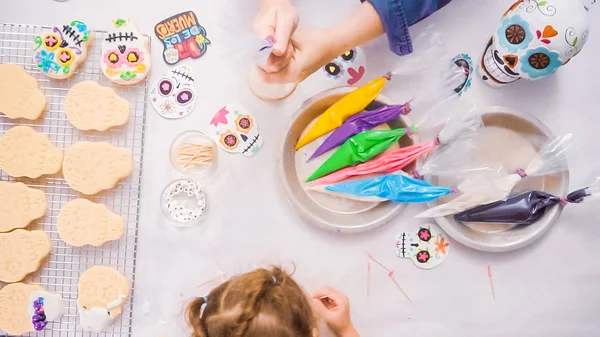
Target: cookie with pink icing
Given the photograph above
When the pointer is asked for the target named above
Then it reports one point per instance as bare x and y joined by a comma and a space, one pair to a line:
126, 57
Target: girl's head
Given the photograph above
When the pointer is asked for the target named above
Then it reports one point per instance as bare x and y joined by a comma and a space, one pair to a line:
257, 304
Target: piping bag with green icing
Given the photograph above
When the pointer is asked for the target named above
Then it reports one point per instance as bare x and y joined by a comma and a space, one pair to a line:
551, 158
360, 148
395, 160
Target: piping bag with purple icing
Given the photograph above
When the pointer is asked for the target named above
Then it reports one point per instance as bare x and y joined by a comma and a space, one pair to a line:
357, 100
392, 161
528, 207
551, 158
441, 89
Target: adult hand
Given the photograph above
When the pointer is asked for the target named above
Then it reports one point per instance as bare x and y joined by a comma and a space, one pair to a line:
334, 308
311, 49
277, 18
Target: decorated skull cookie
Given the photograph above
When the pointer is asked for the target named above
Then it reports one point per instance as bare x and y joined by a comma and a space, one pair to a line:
174, 96
534, 39
236, 130
427, 246
348, 68
126, 57
59, 52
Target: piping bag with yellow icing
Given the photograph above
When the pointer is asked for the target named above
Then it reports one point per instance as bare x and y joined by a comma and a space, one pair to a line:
551, 158
351, 104
359, 99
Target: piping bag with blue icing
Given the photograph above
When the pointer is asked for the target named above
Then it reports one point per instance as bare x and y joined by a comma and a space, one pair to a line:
528, 207
551, 158
398, 187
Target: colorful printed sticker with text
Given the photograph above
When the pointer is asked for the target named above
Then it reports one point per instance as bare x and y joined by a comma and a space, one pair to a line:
182, 37
58, 52
126, 57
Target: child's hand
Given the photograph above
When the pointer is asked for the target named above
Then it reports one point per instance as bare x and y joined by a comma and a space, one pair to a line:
334, 307
277, 18
312, 48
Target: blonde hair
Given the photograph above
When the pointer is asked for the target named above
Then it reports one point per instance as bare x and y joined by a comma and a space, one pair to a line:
262, 303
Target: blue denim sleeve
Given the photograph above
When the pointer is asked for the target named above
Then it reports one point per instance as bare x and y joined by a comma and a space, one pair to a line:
398, 15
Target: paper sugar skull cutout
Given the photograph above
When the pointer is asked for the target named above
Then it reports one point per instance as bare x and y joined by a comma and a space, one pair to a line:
174, 95
534, 39
59, 52
427, 246
464, 61
348, 68
126, 57
236, 130
182, 37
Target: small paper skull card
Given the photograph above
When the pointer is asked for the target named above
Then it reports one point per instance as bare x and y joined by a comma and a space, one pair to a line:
126, 57
174, 95
182, 37
348, 68
464, 61
58, 52
236, 130
427, 246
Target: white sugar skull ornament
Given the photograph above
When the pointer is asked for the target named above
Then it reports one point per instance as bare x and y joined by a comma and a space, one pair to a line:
427, 246
126, 57
348, 68
534, 39
174, 95
236, 130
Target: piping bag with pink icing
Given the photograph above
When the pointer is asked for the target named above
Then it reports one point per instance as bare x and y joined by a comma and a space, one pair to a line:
392, 161
551, 158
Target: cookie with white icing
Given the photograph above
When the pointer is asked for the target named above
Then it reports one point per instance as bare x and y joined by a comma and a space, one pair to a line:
126, 57
27, 308
102, 293
59, 51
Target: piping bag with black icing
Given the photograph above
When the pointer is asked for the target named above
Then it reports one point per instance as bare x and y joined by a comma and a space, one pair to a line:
395, 160
526, 208
551, 158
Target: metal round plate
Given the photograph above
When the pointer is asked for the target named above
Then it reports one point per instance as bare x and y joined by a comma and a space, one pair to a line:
329, 212
512, 129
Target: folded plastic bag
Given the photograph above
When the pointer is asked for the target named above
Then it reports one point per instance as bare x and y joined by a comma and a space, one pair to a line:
551, 158
526, 208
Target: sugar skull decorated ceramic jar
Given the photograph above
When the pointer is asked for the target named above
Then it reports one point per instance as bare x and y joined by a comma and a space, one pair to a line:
534, 39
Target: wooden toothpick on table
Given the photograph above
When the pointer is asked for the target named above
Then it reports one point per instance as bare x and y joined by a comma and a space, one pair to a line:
390, 275
368, 278
491, 281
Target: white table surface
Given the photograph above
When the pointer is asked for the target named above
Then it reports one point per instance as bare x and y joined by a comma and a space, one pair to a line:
547, 289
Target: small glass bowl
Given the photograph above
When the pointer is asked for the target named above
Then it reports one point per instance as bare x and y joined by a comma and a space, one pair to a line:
201, 172
183, 203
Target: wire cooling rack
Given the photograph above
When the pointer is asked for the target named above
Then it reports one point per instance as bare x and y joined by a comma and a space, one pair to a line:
61, 272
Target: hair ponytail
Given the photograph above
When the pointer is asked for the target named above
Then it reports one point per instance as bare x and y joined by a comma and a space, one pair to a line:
194, 316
